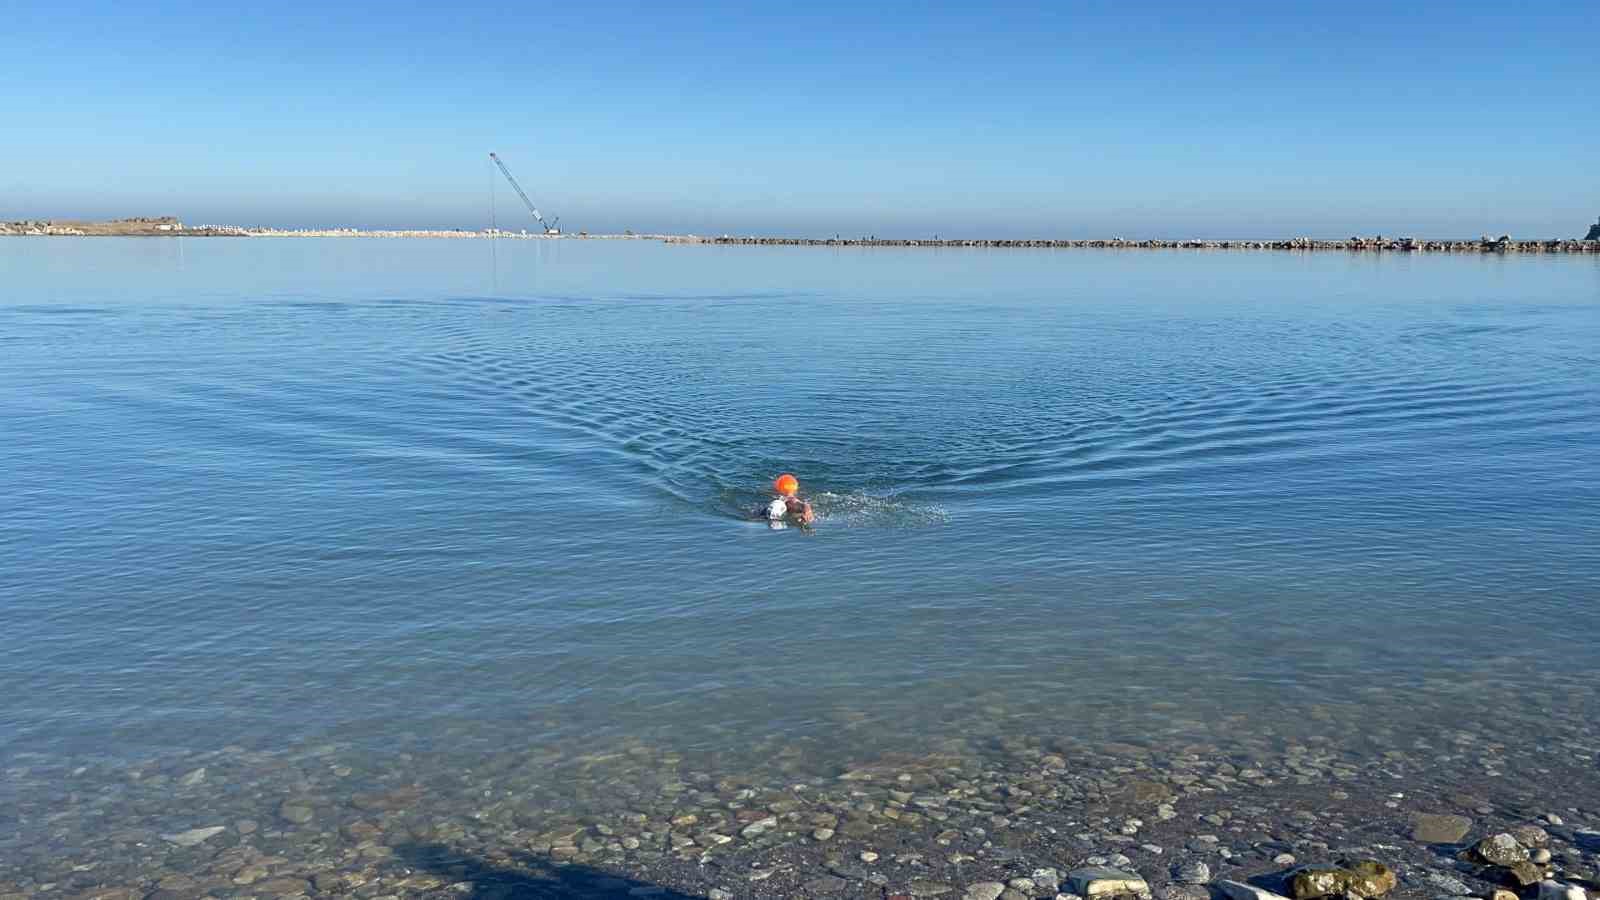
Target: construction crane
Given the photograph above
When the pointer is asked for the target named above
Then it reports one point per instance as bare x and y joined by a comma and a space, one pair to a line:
549, 227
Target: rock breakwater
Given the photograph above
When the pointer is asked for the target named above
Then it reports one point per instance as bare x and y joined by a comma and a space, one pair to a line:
1503, 244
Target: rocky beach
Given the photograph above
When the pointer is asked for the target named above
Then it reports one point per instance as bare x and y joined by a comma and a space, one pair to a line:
1330, 806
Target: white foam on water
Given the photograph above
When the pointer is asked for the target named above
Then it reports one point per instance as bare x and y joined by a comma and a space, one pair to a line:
859, 509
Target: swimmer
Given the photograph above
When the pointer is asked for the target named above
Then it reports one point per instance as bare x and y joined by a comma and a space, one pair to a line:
787, 507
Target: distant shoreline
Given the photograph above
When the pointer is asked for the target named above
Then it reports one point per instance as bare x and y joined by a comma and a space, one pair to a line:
168, 227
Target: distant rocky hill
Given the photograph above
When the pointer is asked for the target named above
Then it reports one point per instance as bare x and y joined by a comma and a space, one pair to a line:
1594, 232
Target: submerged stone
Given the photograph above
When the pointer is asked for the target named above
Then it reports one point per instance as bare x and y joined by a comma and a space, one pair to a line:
1430, 828
194, 835
1238, 890
1102, 881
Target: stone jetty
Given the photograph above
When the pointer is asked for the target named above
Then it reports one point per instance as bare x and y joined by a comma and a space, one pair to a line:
1502, 244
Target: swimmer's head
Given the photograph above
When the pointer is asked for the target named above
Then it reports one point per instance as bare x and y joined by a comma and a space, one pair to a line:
786, 484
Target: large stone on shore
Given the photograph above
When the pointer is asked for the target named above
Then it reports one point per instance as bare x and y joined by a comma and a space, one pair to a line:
1238, 890
194, 835
1366, 877
985, 890
1101, 881
1432, 828
1499, 850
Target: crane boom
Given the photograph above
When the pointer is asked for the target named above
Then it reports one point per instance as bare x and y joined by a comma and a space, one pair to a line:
548, 228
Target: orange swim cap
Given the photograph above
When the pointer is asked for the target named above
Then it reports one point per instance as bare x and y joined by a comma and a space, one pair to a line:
786, 485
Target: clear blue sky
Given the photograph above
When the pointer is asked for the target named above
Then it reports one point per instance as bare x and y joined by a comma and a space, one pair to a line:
1059, 119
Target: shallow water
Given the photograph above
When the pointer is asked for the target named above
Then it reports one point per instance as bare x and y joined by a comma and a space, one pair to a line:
412, 494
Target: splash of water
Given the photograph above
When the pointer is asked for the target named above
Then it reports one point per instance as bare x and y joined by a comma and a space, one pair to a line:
859, 509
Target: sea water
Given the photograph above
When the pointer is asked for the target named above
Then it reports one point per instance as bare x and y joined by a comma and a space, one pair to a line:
402, 494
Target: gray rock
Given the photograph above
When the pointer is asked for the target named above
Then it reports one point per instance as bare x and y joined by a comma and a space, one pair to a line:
193, 778
759, 827
1433, 828
719, 894
194, 835
826, 884
985, 890
1555, 890
1541, 856
1048, 879
298, 813
1238, 890
1530, 836
1448, 884
1500, 850
924, 888
1101, 881
1194, 872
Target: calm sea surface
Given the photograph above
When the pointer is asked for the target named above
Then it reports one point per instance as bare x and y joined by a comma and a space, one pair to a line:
402, 493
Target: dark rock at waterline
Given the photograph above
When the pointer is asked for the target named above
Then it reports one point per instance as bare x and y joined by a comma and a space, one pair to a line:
1522, 874
1366, 877
1430, 828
